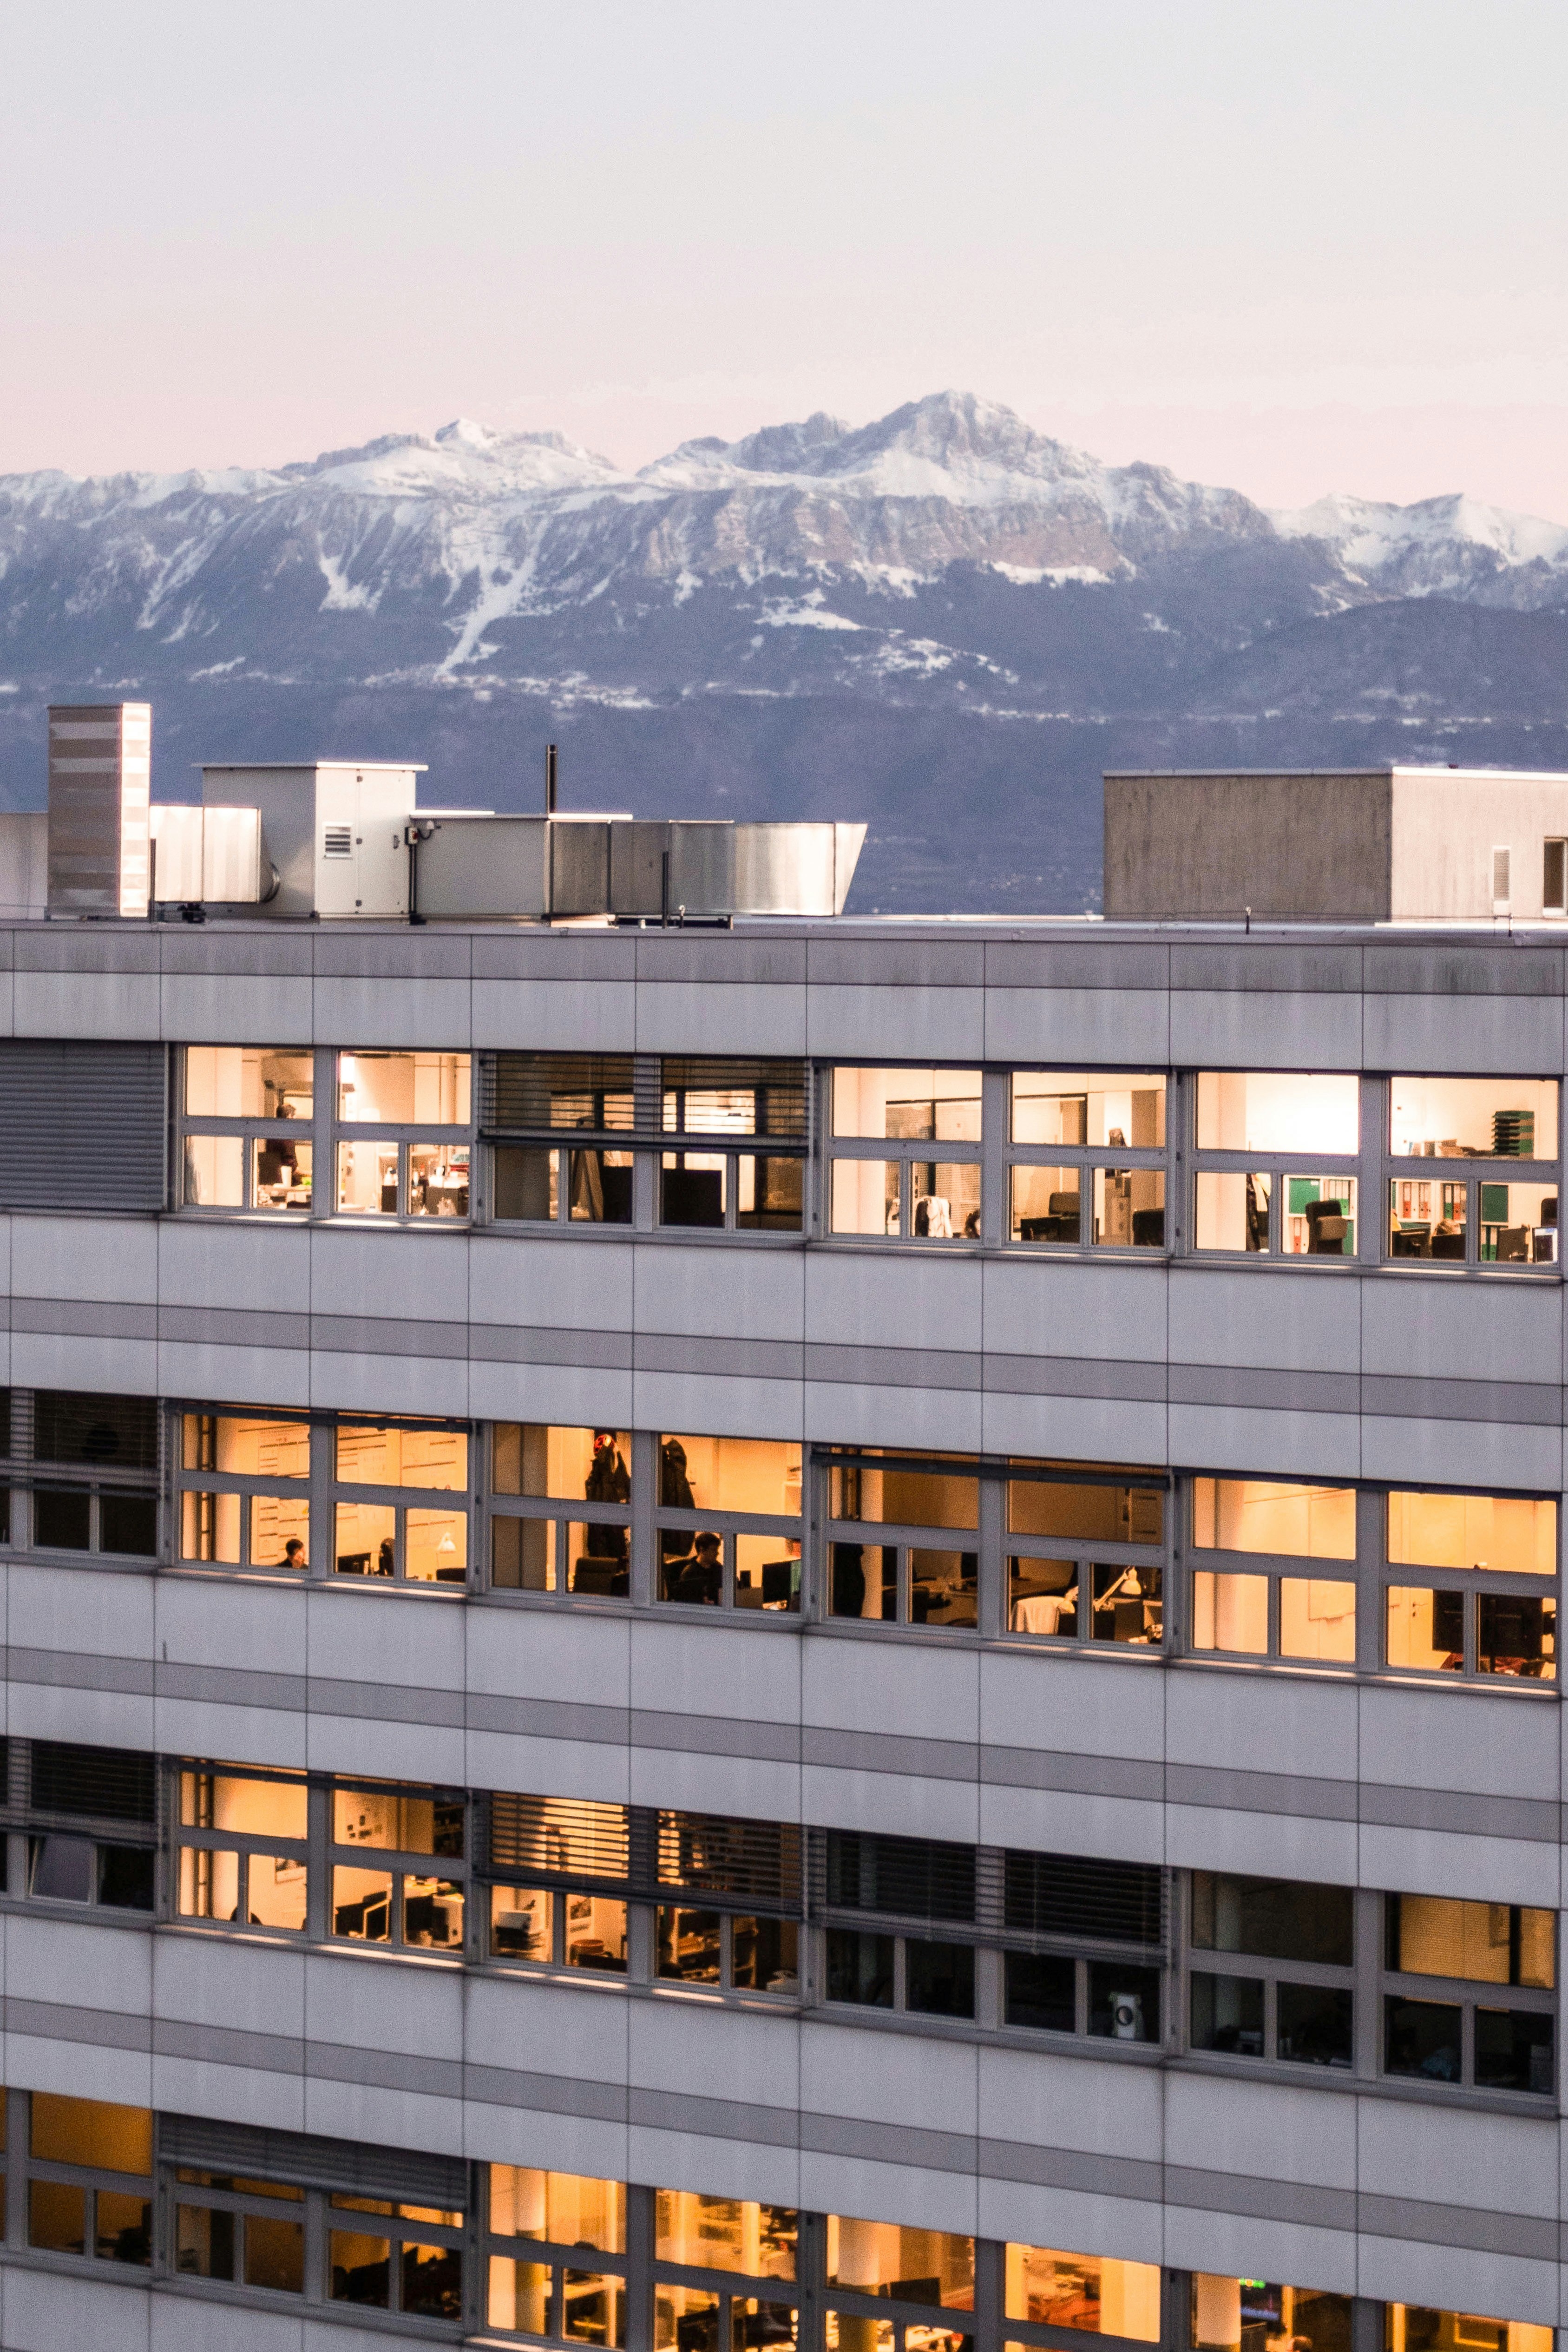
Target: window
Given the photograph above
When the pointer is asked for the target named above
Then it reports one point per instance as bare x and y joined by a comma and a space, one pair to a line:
1094, 2293
1468, 1993
735, 1954
1554, 877
1407, 2327
917, 1574
399, 1876
737, 1926
89, 2180
1495, 1611
1085, 1561
91, 1817
244, 1496
246, 2233
721, 1140
389, 2256
1242, 2002
724, 2273
385, 1522
560, 1874
1276, 1601
405, 1145
1085, 1946
95, 1484
555, 2256
919, 1879
884, 1176
728, 1523
242, 1854
1061, 1190
247, 1138
895, 2281
593, 1095
1227, 2312
1502, 1214
540, 1550
715, 1102
1267, 1183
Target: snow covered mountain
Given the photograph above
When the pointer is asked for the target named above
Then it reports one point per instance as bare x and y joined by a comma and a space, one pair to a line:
943, 621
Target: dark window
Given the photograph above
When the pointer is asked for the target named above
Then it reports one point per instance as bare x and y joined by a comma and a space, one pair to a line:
62, 1519
116, 1431
939, 1979
115, 1783
911, 1877
1513, 2050
1422, 2038
859, 1968
1227, 2014
1070, 1894
1042, 1991
1276, 1919
1315, 2024
125, 1877
128, 1524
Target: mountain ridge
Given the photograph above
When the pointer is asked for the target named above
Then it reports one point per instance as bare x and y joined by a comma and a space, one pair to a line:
765, 623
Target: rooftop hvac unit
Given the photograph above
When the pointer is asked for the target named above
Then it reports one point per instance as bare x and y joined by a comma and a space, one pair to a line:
212, 855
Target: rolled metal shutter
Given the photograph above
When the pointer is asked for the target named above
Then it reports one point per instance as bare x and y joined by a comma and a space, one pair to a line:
253, 2153
82, 1124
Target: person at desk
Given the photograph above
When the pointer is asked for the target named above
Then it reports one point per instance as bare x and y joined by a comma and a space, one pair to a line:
294, 1555
699, 1579
385, 1564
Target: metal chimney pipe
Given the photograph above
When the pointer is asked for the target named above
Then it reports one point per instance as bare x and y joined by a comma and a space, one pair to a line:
550, 779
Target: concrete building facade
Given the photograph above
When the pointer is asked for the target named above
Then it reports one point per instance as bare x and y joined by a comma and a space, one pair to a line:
815, 1631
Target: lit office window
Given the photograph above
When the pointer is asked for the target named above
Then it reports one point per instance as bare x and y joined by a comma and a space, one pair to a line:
1410, 2327
1275, 1600
923, 1566
398, 1872
405, 1143
1266, 1185
1094, 2293
547, 2240
1087, 1558
1272, 1969
729, 1109
1063, 1191
385, 1522
1227, 2312
1468, 1993
728, 1522
1494, 1612
87, 2179
886, 1174
584, 1546
1501, 1212
244, 1497
247, 1128
243, 1855
560, 1882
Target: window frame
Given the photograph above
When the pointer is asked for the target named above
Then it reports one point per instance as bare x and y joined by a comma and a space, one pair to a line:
248, 1132
1277, 1568
905, 1152
1281, 1167
1090, 1160
1468, 1583
406, 1136
1471, 1174
23, 2168
1468, 1995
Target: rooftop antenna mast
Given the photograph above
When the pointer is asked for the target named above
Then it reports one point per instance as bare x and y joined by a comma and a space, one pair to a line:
550, 765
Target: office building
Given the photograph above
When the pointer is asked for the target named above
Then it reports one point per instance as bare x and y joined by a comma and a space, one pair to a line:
765, 1630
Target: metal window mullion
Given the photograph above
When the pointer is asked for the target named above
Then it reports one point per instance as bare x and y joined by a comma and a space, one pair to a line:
323, 1517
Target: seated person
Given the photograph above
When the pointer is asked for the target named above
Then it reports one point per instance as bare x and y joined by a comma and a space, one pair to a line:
700, 1578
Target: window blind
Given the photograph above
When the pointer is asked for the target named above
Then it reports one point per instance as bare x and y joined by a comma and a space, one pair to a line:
561, 1838
117, 1784
711, 1856
82, 1125
252, 2153
912, 1878
1083, 1897
109, 1433
554, 1091
699, 1092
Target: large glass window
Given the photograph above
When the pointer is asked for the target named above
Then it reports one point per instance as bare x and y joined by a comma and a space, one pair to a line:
1229, 2314
244, 1495
242, 1854
398, 1866
555, 2256
1494, 1611
386, 1521
581, 1550
1272, 1969
728, 1522
1086, 1560
1266, 1593
405, 1140
1504, 1212
887, 1175
1468, 1993
1267, 1183
1410, 2327
246, 2233
247, 1128
922, 1565
1063, 1190
1094, 2293
88, 2181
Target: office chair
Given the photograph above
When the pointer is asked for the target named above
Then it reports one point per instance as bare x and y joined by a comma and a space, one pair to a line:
1148, 1229
1326, 1227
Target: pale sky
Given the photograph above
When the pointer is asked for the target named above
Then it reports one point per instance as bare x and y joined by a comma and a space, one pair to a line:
1292, 248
